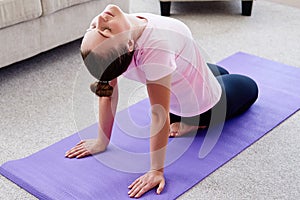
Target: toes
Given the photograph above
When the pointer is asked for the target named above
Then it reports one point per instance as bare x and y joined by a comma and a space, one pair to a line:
174, 129
180, 129
173, 133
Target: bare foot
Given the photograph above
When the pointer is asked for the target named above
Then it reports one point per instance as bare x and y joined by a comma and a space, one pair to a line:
180, 129
85, 148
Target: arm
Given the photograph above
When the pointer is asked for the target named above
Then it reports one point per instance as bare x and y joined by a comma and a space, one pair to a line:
159, 94
107, 111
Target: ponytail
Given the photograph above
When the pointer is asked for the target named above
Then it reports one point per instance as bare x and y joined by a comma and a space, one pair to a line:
102, 88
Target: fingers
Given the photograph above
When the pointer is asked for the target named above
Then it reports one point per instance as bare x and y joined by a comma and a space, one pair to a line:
143, 190
84, 154
137, 186
81, 142
78, 151
139, 189
161, 186
132, 184
72, 151
145, 183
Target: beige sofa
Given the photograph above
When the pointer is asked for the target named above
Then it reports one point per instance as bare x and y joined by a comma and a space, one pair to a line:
29, 27
165, 6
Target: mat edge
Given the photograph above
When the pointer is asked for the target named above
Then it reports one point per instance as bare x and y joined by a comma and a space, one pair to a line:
22, 184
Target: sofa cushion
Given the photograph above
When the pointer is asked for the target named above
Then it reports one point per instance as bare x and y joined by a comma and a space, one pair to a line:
15, 11
51, 6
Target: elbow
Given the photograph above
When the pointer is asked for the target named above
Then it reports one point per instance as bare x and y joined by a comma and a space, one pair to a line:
159, 116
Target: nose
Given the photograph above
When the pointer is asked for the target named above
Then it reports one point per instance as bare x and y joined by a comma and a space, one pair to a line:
101, 20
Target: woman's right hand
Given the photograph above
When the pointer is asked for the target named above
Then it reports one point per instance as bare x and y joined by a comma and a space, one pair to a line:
85, 148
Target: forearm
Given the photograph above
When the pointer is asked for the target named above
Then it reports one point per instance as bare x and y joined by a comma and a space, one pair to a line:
107, 111
158, 141
159, 94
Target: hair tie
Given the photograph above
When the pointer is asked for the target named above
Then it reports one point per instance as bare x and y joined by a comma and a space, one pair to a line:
102, 88
104, 82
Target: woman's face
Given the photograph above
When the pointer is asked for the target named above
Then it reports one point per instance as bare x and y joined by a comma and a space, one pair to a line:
107, 25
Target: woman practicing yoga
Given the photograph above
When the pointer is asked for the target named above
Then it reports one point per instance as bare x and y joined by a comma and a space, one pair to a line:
185, 92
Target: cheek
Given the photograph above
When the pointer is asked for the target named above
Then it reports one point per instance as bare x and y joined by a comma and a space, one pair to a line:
121, 25
90, 41
123, 29
87, 42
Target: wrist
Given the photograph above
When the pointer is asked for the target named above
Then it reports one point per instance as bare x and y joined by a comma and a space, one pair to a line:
102, 142
157, 170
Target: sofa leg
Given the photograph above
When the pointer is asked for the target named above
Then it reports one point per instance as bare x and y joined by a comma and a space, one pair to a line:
165, 8
247, 7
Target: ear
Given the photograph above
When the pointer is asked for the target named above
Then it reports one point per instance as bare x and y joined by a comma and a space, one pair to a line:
130, 45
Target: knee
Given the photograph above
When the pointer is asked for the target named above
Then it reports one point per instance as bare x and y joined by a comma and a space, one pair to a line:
253, 88
240, 86
241, 93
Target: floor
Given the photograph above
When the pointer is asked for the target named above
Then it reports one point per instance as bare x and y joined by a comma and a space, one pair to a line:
38, 97
292, 3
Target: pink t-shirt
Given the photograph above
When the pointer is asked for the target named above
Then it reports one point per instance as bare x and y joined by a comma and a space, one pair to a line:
167, 47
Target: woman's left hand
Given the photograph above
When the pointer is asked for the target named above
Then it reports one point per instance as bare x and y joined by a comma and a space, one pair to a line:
146, 182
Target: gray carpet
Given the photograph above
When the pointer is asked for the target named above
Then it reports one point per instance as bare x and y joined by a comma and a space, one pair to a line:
38, 94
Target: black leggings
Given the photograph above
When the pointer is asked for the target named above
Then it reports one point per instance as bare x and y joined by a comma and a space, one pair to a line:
239, 92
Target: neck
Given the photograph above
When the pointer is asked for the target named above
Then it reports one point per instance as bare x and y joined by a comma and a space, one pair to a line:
138, 25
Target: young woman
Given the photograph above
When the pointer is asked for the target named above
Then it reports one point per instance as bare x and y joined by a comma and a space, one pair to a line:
184, 91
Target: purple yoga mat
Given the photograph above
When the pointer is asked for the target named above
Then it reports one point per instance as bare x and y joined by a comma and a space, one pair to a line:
48, 175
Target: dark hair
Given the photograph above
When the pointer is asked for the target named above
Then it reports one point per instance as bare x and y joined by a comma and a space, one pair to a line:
106, 68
